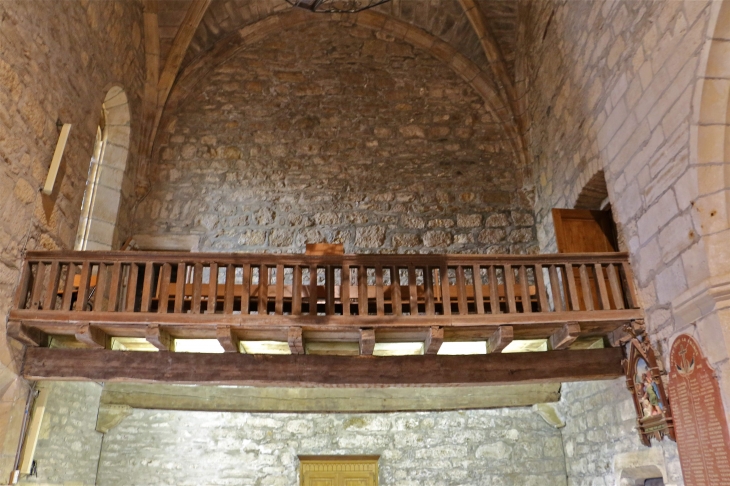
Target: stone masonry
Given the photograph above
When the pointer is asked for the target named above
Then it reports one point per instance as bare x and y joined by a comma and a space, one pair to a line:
362, 140
610, 87
57, 62
600, 423
504, 447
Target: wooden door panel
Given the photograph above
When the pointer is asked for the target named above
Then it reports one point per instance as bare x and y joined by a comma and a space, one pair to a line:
584, 231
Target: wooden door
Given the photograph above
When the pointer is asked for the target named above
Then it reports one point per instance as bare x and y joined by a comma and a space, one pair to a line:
338, 470
586, 231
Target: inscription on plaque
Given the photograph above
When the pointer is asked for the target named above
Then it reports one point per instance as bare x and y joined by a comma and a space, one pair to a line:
699, 418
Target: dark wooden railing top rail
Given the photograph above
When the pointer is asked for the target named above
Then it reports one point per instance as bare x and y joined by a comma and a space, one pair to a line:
332, 297
349, 259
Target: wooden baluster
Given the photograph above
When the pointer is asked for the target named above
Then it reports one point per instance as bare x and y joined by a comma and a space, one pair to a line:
197, 288
329, 286
246, 289
180, 287
163, 298
82, 296
313, 290
525, 290
21, 294
149, 272
478, 291
445, 289
115, 285
602, 291
509, 286
572, 289
555, 288
461, 290
585, 284
615, 286
412, 290
132, 287
627, 278
296, 292
395, 294
379, 292
49, 300
541, 291
101, 286
345, 290
263, 305
428, 291
69, 286
279, 306
229, 296
38, 286
362, 291
212, 289
493, 290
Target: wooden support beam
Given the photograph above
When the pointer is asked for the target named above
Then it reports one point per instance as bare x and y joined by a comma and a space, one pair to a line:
90, 335
434, 340
158, 338
500, 339
296, 344
308, 370
323, 399
228, 340
367, 341
565, 336
29, 336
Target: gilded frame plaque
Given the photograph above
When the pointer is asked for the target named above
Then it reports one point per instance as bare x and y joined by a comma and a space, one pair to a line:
338, 470
644, 381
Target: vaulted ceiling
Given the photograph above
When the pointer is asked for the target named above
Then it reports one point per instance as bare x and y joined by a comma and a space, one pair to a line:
187, 38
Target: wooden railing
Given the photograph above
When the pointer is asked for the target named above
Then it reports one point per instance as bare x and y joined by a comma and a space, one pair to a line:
329, 297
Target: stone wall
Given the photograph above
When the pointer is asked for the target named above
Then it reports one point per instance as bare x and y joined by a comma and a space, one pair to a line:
495, 447
600, 426
610, 87
57, 61
68, 445
351, 137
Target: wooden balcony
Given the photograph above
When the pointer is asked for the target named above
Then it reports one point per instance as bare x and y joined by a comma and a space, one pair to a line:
299, 300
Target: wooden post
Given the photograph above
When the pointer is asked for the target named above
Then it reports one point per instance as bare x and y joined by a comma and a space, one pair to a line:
434, 339
367, 341
159, 338
228, 340
563, 338
296, 343
92, 336
500, 339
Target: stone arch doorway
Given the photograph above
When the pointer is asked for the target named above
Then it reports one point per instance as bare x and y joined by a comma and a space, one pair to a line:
102, 195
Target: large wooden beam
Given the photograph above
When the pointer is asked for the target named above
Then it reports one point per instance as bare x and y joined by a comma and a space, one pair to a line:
308, 370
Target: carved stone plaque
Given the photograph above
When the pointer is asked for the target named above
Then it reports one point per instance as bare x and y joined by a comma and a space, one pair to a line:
699, 418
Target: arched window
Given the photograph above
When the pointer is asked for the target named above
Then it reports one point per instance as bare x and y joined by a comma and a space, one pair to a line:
100, 206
